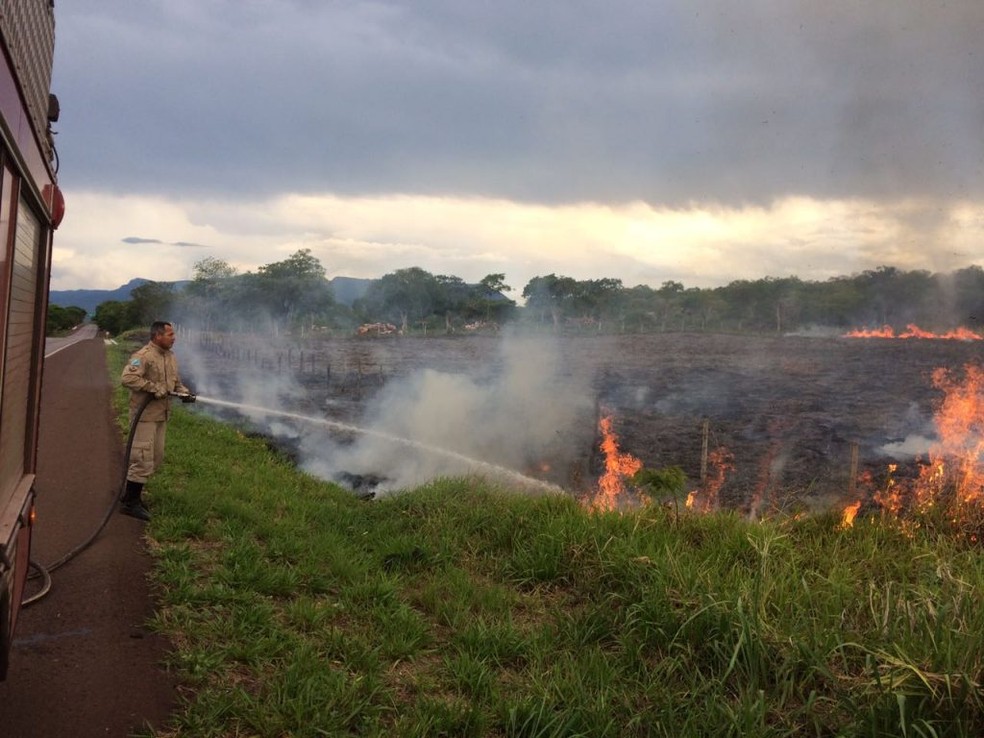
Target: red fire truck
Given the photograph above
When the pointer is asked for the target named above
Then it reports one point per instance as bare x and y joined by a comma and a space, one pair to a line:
31, 207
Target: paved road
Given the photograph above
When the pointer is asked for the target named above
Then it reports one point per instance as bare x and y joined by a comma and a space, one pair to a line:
83, 664
53, 345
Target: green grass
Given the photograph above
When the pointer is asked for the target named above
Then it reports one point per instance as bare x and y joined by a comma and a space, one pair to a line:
459, 609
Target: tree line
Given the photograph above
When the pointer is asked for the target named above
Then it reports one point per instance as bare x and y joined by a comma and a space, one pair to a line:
294, 295
62, 319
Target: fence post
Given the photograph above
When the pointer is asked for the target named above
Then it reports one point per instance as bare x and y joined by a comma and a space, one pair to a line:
852, 480
703, 450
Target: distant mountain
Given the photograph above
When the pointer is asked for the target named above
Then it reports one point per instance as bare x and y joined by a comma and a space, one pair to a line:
346, 290
90, 299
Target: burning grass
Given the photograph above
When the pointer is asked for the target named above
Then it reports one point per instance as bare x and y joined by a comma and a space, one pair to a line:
943, 493
914, 331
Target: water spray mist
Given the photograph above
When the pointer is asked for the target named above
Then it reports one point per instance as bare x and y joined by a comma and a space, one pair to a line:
493, 470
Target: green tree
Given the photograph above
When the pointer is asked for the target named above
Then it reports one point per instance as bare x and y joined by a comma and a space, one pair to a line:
453, 298
405, 296
709, 308
114, 316
788, 303
63, 318
210, 292
151, 301
289, 292
638, 309
551, 295
490, 297
835, 303
495, 282
887, 297
597, 298
770, 304
209, 273
669, 299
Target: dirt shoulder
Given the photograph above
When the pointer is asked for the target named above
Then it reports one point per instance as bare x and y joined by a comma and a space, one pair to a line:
83, 662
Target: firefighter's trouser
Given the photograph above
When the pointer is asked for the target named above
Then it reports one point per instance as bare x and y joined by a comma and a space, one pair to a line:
147, 451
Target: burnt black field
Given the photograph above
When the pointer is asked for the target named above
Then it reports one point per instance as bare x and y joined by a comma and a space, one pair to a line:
790, 411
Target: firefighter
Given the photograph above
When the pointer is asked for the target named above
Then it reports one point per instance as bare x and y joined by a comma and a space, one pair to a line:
152, 376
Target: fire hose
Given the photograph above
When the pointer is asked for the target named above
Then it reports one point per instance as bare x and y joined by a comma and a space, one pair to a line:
45, 571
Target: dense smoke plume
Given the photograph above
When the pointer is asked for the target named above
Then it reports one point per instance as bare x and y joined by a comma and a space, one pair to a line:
517, 415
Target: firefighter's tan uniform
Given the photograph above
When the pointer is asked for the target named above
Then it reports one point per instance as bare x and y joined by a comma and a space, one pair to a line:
150, 370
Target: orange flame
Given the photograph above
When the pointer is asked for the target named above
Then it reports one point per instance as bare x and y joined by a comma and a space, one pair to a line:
618, 467
885, 332
914, 331
706, 498
955, 470
960, 422
850, 512
890, 498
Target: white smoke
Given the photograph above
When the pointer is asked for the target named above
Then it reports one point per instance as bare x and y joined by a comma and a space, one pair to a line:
526, 410
521, 410
921, 435
912, 446
211, 367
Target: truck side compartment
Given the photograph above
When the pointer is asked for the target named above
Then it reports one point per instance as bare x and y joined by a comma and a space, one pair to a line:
30, 208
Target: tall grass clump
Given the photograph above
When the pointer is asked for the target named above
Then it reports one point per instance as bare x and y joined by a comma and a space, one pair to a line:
463, 609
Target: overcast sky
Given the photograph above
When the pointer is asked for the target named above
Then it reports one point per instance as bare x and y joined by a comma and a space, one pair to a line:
700, 141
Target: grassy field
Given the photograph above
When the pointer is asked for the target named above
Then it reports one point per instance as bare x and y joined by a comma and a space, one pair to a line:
461, 609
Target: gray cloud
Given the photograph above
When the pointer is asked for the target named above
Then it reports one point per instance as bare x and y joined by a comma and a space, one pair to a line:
550, 102
137, 240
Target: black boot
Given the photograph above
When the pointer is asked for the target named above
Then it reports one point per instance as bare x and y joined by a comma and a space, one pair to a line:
130, 503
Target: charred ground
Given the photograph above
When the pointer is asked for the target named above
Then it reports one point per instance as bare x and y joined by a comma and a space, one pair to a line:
790, 411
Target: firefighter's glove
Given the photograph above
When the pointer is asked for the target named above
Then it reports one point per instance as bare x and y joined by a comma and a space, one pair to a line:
159, 392
188, 398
